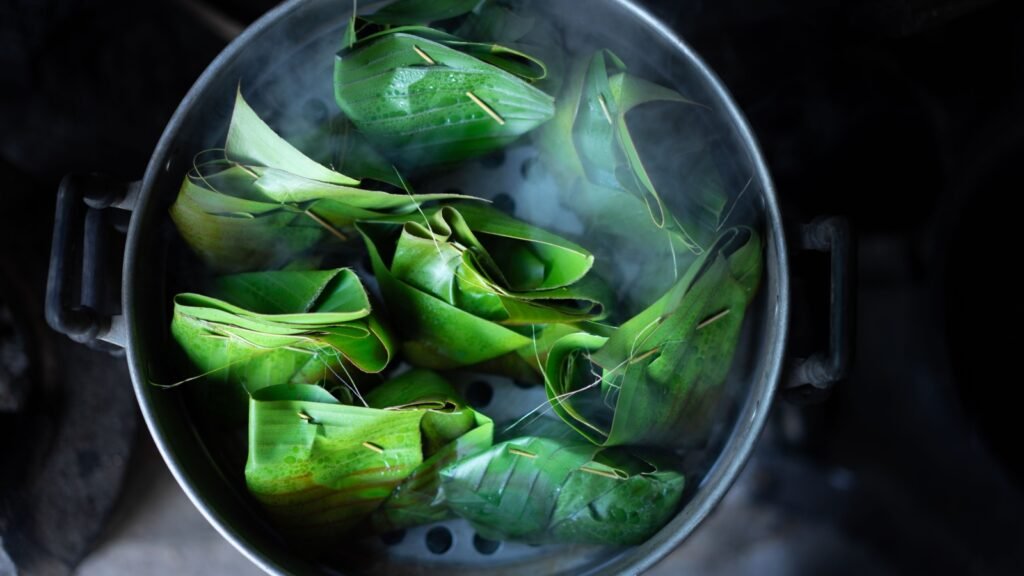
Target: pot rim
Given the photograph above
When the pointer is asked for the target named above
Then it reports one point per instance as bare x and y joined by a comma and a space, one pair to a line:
750, 422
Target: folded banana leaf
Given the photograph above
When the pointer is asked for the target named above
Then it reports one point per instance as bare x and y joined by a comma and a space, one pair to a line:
657, 379
515, 25
590, 138
498, 23
548, 490
337, 143
262, 202
468, 284
425, 98
589, 147
451, 431
263, 328
322, 468
319, 467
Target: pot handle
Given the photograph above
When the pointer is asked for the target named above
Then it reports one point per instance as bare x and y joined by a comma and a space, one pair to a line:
85, 236
811, 378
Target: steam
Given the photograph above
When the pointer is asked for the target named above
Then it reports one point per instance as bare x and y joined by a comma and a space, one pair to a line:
286, 74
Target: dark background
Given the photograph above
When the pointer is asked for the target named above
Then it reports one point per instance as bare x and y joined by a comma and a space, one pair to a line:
904, 116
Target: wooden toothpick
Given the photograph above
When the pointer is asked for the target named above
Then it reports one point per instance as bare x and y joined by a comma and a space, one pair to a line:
598, 472
523, 453
374, 447
604, 108
326, 225
424, 55
713, 319
490, 111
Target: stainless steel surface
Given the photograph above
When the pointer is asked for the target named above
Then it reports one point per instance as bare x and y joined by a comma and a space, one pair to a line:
301, 26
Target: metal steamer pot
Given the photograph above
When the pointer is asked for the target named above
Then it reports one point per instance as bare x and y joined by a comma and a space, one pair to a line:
258, 61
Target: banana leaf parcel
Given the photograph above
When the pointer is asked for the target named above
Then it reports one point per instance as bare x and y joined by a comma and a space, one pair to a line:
427, 98
548, 490
657, 379
502, 23
322, 468
589, 147
259, 329
467, 284
450, 430
261, 203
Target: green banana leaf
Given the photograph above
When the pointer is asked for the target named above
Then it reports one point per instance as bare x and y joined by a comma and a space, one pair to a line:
516, 26
547, 490
322, 468
497, 23
468, 283
425, 98
319, 467
526, 365
262, 203
338, 144
251, 142
451, 431
590, 138
265, 328
657, 379
589, 148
